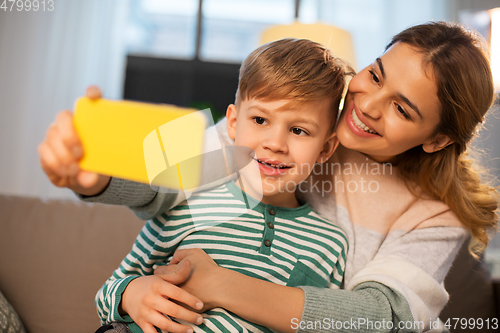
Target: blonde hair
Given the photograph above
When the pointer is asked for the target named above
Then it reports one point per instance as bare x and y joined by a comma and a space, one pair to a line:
459, 59
298, 70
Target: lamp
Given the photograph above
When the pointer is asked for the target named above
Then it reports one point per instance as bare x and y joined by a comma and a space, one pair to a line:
336, 39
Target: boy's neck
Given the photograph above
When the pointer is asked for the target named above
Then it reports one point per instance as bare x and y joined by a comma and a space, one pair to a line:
284, 199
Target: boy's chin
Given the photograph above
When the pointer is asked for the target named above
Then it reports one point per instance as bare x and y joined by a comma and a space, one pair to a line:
258, 186
277, 189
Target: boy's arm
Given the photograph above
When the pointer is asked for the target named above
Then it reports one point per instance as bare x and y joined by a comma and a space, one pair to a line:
148, 203
126, 296
136, 264
107, 310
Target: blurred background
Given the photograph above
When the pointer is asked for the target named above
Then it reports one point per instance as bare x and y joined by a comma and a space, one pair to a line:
185, 52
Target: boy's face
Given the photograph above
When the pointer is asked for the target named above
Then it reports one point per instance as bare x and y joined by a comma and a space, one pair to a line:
286, 141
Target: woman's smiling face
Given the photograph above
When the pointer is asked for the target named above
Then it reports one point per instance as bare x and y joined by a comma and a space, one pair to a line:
392, 106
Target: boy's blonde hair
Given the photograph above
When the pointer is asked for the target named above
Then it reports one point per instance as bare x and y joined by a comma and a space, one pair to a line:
298, 70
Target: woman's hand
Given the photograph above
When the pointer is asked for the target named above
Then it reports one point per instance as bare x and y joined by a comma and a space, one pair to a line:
261, 302
147, 298
205, 279
61, 151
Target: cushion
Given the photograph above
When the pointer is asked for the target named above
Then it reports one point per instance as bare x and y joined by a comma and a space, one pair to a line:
9, 320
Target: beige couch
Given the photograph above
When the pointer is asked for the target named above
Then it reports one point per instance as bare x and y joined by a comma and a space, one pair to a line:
55, 255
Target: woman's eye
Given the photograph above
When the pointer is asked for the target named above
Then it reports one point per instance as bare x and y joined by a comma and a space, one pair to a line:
403, 112
374, 77
298, 131
259, 120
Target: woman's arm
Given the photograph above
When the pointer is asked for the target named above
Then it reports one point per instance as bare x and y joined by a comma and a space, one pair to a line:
394, 291
141, 198
289, 309
264, 303
261, 302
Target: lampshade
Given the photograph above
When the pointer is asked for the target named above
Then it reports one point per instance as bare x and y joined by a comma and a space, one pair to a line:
336, 39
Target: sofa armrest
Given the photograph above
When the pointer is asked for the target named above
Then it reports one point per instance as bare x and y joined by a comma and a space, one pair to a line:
496, 289
56, 254
472, 293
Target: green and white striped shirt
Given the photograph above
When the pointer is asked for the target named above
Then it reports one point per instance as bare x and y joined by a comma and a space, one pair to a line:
287, 246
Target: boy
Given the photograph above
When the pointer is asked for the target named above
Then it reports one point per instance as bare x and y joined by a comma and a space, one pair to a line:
286, 106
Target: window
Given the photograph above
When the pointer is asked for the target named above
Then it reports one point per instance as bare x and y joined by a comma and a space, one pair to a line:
164, 28
232, 29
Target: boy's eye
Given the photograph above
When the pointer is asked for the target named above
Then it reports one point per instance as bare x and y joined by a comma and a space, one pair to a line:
298, 131
259, 120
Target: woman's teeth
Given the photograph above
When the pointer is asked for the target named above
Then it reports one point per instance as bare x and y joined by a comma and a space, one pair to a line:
273, 165
360, 124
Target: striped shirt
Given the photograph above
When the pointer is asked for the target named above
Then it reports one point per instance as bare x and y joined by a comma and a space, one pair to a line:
287, 246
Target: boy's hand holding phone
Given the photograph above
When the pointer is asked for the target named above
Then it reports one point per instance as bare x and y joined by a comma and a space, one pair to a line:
61, 151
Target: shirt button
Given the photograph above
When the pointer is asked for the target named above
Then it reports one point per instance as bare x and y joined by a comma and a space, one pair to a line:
267, 242
271, 211
270, 225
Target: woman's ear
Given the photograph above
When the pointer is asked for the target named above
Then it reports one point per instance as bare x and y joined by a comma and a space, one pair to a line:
439, 142
329, 147
231, 115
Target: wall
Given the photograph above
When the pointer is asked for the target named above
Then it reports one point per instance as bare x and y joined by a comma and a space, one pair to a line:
47, 59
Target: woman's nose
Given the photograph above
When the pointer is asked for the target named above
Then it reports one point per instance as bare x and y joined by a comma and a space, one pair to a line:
276, 141
371, 104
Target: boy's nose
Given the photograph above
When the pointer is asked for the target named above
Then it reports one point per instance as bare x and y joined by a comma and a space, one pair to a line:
276, 141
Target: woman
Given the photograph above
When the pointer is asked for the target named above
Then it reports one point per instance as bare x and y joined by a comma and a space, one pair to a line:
400, 186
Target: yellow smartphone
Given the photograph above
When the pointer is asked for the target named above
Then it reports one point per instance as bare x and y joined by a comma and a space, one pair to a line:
160, 145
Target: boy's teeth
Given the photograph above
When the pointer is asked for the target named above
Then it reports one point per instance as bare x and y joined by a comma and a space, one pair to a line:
273, 165
360, 124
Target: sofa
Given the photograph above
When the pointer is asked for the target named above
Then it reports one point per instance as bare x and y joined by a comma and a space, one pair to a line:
55, 255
